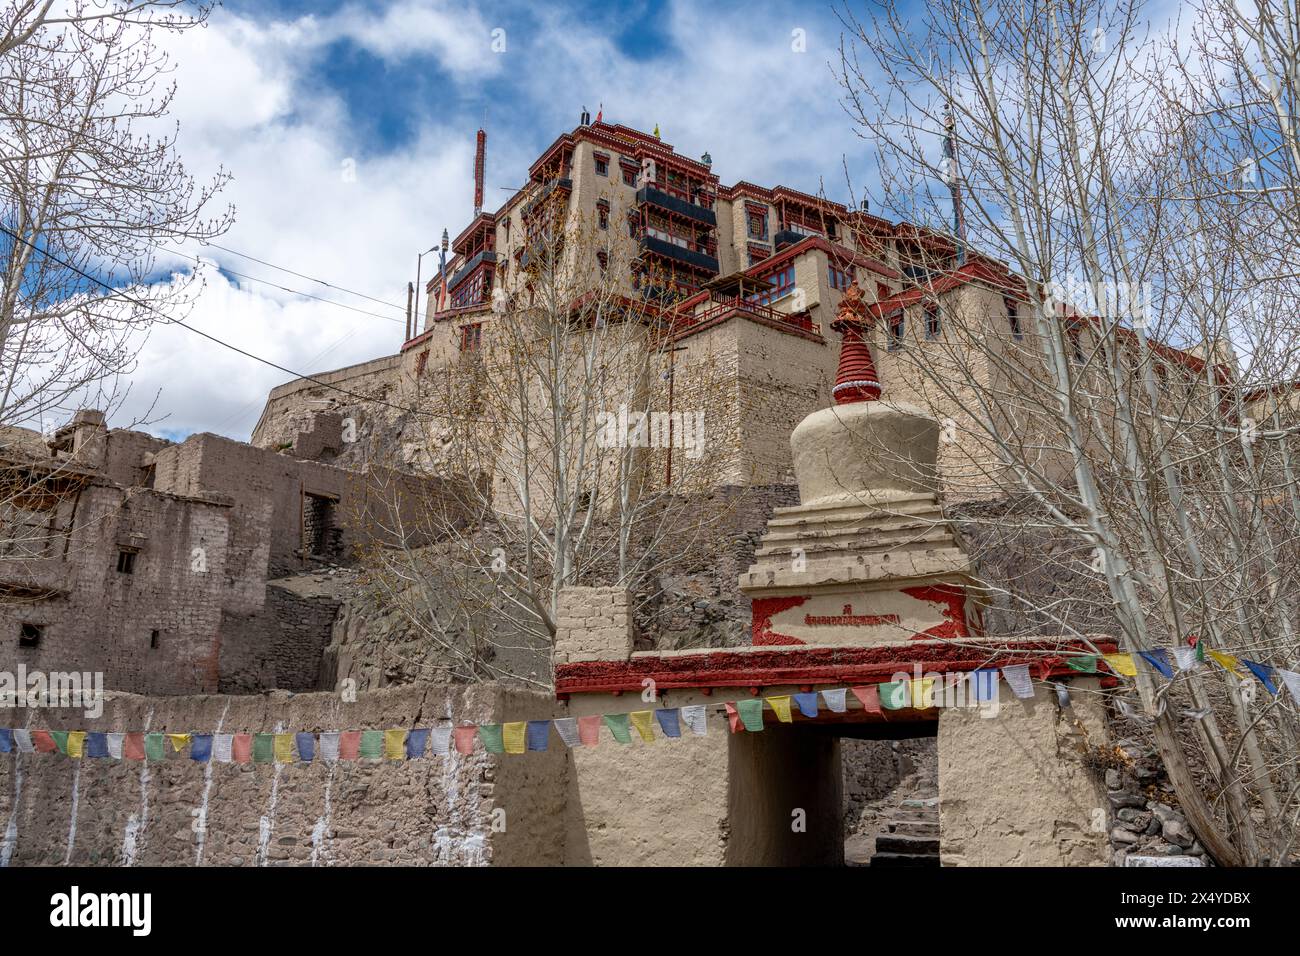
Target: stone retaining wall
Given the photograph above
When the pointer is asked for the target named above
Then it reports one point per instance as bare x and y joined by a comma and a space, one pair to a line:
473, 809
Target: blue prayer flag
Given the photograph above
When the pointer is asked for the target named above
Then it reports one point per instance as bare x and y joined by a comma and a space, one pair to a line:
96, 745
6, 740
538, 734
1262, 671
985, 682
669, 721
1159, 660
416, 743
807, 703
201, 747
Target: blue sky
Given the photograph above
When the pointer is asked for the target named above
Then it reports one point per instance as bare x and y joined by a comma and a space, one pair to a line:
349, 130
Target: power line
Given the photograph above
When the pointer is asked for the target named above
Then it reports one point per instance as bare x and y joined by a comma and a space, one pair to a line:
174, 321
276, 285
328, 285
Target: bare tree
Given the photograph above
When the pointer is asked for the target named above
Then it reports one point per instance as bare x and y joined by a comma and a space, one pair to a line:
584, 452
89, 189
1081, 313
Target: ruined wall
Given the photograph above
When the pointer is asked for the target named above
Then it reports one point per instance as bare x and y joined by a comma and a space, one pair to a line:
1014, 789
176, 812
304, 621
291, 407
153, 630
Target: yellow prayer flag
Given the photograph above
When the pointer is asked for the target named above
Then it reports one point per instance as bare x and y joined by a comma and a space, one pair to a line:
395, 744
282, 748
179, 741
782, 707
1121, 664
514, 735
1227, 662
923, 693
76, 743
641, 721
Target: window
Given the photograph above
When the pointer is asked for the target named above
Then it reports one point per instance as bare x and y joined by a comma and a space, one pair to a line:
29, 635
154, 637
602, 214
783, 284
126, 561
1013, 318
933, 322
897, 329
602, 164
602, 259
757, 223
629, 175
471, 337
840, 278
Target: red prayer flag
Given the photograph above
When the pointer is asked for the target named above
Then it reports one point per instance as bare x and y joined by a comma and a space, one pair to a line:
44, 742
241, 748
869, 697
589, 730
465, 737
349, 745
733, 717
133, 746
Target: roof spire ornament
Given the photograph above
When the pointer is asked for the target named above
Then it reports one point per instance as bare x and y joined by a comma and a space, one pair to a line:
855, 379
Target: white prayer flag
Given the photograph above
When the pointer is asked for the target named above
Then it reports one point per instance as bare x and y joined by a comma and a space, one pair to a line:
567, 728
222, 745
23, 738
1186, 657
329, 747
835, 701
1290, 678
694, 717
1018, 677
1062, 695
440, 740
114, 742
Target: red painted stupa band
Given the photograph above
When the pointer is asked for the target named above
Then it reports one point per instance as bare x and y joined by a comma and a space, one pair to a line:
855, 379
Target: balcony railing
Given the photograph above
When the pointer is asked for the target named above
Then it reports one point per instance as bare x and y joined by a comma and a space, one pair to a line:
545, 193
669, 250
674, 200
717, 305
486, 255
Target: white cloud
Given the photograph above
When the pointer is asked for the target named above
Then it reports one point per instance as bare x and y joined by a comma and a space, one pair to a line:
246, 102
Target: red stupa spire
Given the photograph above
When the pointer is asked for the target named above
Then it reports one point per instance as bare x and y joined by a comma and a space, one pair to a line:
856, 379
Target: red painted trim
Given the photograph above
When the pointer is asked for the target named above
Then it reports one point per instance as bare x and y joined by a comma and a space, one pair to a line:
815, 665
952, 600
764, 609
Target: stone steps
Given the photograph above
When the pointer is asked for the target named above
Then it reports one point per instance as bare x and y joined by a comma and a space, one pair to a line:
909, 837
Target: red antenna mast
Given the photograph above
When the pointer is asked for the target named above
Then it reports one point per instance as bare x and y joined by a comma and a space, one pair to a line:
480, 157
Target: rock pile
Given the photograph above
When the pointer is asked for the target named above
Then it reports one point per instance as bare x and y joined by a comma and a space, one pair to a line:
1143, 818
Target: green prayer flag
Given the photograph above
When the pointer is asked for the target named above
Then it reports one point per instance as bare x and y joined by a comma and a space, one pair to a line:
1200, 650
618, 726
751, 713
263, 748
153, 747
372, 744
493, 741
895, 695
1087, 663
60, 740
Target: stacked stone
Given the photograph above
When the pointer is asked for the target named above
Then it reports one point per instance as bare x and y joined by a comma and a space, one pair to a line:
1141, 823
593, 624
